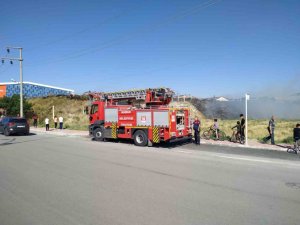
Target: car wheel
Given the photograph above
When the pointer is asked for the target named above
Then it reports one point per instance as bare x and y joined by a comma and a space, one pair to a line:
6, 132
140, 138
98, 134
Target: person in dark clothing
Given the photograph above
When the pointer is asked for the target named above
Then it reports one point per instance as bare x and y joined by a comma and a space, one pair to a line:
196, 127
35, 119
297, 134
271, 129
243, 123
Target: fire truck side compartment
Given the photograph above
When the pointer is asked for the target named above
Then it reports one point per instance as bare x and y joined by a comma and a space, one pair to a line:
161, 119
111, 115
143, 119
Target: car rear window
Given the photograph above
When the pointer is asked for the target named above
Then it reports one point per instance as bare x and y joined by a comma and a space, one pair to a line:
18, 120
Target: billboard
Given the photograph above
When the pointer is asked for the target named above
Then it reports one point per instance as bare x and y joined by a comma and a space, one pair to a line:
2, 90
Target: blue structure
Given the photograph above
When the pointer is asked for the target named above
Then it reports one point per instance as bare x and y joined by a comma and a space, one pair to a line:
33, 90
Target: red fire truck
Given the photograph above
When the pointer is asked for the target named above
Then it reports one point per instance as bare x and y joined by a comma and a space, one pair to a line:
141, 115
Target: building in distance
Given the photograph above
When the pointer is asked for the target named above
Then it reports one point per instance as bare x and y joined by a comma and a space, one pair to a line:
32, 90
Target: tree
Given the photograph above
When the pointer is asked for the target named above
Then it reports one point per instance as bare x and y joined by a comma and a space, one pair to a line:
12, 105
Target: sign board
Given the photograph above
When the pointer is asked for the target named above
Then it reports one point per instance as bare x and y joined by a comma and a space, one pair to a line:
2, 90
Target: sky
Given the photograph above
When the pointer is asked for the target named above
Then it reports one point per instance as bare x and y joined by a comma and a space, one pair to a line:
203, 48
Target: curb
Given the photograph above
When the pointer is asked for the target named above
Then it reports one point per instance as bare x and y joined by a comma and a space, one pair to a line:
59, 133
280, 149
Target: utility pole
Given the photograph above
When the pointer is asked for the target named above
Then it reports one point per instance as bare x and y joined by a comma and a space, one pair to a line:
20, 59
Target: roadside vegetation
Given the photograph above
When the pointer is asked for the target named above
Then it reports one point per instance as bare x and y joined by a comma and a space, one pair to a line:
11, 106
71, 109
257, 129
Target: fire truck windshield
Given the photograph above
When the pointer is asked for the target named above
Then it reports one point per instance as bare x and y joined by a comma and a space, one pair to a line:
94, 109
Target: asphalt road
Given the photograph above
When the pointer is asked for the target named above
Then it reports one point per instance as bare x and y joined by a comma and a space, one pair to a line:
66, 180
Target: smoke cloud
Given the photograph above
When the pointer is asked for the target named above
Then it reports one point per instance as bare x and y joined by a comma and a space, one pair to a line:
282, 101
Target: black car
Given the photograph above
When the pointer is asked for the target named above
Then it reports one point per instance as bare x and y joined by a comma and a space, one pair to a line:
14, 125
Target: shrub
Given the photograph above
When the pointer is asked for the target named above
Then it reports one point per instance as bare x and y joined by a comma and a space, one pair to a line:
12, 106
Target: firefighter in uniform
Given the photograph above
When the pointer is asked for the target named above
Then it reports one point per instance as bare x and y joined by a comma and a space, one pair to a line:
196, 127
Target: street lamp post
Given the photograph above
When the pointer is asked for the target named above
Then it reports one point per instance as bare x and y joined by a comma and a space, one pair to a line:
20, 59
247, 98
21, 83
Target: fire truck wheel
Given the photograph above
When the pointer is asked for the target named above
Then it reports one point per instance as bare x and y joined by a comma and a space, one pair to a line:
99, 134
140, 138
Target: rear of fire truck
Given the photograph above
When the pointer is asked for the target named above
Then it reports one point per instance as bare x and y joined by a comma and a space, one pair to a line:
153, 124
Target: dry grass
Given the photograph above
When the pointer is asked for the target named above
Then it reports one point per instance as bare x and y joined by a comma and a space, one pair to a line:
193, 111
70, 109
257, 129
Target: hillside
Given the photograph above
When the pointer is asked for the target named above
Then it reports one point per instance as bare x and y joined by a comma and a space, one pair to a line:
69, 108
194, 111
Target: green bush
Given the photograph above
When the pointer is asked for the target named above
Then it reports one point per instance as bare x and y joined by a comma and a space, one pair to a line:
288, 140
12, 106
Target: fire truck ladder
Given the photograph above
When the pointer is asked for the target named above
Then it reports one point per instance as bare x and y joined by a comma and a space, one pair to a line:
130, 94
139, 94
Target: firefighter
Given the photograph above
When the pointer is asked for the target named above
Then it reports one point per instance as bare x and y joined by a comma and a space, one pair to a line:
196, 127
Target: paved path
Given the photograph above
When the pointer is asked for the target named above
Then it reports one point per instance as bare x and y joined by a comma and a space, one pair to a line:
68, 180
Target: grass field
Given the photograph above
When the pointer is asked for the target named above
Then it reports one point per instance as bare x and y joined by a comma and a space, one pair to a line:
257, 129
70, 109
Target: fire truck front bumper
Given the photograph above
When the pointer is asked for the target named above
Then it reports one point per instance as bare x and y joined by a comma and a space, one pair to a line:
91, 128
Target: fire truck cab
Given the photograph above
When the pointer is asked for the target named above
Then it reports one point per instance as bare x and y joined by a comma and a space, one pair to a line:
119, 116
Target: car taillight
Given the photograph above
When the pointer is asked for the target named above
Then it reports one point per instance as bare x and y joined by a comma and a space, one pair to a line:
10, 124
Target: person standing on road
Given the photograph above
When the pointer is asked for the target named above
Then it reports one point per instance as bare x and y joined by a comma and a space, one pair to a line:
35, 119
243, 124
215, 127
47, 123
196, 127
61, 122
297, 134
271, 129
55, 121
236, 131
